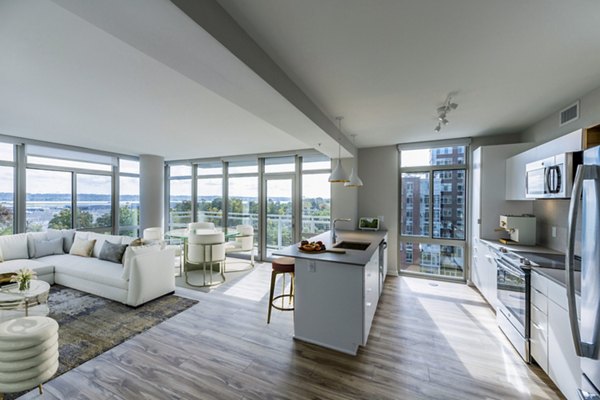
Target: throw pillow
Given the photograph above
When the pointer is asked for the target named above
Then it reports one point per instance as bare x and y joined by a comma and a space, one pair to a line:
136, 242
66, 234
112, 252
42, 248
82, 247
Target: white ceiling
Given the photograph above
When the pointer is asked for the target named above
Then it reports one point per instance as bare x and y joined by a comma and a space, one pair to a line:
106, 76
139, 76
386, 65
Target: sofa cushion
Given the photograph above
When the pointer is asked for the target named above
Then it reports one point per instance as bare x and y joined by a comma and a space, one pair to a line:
67, 234
42, 248
100, 239
31, 238
14, 247
90, 269
112, 252
82, 247
41, 267
131, 240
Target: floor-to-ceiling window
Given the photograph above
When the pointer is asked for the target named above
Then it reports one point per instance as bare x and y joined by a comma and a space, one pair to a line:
316, 195
7, 188
209, 193
129, 197
433, 210
180, 196
282, 197
242, 195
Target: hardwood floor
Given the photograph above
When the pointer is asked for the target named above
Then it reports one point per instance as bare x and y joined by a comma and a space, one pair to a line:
429, 340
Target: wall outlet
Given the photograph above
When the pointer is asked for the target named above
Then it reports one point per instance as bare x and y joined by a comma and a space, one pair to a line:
553, 231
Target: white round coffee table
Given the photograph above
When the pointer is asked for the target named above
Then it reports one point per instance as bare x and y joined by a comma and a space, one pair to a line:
11, 298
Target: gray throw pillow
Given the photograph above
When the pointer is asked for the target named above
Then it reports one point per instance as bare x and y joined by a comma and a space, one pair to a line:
68, 236
42, 248
112, 252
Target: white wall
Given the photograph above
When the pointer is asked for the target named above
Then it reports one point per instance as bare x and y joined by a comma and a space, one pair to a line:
378, 169
548, 129
553, 213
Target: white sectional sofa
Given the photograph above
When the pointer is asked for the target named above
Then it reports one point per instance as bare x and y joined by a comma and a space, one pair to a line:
145, 273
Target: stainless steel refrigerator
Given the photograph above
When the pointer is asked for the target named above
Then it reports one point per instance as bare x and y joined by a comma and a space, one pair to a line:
586, 331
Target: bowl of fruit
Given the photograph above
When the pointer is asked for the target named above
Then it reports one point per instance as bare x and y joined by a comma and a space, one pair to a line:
312, 247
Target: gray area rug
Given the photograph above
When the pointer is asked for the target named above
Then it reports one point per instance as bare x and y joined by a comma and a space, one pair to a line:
90, 325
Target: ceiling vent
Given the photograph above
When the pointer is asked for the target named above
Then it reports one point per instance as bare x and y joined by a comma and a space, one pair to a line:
569, 114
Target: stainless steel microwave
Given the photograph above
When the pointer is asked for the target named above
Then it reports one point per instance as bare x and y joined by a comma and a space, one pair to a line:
552, 177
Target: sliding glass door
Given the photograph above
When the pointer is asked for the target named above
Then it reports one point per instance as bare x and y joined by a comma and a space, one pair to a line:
279, 218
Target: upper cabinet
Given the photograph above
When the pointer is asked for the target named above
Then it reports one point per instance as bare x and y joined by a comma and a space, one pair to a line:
515, 166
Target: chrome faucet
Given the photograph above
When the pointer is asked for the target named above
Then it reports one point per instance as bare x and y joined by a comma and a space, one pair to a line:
333, 234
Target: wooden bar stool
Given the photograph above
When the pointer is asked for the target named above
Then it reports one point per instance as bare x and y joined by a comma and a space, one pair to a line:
282, 265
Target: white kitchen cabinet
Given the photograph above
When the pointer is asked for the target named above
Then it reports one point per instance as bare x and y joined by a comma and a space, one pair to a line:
515, 165
335, 302
484, 271
515, 174
551, 341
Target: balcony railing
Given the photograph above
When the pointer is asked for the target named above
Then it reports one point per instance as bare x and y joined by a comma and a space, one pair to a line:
279, 227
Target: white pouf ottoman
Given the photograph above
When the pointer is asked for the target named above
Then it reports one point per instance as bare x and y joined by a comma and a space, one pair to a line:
28, 353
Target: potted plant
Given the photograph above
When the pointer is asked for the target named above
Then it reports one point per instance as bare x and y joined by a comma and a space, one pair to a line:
23, 277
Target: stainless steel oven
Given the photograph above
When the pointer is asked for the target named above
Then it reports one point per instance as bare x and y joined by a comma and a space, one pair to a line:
513, 302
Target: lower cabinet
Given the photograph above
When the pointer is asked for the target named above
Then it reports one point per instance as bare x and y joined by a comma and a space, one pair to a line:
484, 274
551, 341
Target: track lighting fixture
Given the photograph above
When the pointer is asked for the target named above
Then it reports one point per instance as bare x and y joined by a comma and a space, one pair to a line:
443, 112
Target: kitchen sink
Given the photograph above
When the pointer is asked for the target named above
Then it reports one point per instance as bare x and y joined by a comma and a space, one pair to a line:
352, 245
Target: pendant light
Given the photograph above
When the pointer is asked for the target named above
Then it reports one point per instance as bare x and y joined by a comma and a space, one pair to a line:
338, 174
354, 181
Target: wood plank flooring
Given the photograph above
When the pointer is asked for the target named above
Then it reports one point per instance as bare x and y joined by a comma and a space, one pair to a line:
429, 340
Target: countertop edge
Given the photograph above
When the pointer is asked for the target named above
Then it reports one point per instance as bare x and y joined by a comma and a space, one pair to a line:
352, 257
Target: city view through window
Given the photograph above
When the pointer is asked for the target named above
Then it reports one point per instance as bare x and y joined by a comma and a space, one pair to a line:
433, 210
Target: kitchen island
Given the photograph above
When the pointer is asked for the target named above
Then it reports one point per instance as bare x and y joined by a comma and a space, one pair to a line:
336, 295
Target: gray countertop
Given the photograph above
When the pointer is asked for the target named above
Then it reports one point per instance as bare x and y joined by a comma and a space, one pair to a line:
355, 257
512, 247
558, 276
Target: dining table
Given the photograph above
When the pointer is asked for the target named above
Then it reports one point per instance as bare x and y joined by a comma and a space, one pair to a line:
183, 234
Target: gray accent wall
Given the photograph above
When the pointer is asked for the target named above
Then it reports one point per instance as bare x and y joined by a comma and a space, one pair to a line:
152, 191
378, 169
344, 200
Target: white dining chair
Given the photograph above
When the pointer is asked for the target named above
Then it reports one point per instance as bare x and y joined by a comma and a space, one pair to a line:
153, 235
205, 250
244, 242
201, 225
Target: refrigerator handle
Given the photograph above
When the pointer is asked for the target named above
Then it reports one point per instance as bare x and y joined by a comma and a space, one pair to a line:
584, 172
570, 276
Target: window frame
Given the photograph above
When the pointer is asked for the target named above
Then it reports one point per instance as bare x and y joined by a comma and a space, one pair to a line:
415, 240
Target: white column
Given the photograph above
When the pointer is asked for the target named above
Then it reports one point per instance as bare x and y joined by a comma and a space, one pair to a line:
152, 191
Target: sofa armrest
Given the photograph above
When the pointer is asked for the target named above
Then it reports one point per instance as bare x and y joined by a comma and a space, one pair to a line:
152, 275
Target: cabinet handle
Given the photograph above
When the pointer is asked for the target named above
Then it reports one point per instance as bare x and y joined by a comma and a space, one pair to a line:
368, 304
